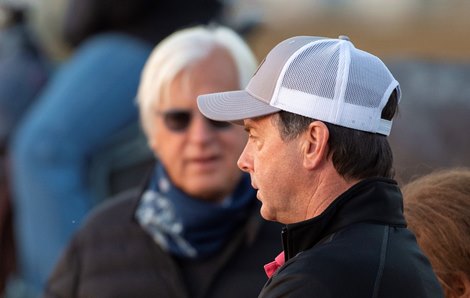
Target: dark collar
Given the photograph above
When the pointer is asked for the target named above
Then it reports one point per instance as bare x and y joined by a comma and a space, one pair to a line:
374, 200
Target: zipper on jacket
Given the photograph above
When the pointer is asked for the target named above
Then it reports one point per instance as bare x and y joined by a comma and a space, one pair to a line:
285, 234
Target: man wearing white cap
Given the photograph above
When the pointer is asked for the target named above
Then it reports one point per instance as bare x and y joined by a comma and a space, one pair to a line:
318, 112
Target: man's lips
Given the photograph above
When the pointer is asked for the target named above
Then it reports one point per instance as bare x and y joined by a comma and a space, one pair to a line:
204, 163
206, 159
253, 184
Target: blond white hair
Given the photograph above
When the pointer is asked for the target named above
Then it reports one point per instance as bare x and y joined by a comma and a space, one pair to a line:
178, 51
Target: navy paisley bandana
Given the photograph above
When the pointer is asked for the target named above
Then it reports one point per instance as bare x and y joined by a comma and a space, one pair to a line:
189, 227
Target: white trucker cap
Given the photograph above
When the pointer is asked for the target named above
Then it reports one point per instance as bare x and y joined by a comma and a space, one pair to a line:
320, 78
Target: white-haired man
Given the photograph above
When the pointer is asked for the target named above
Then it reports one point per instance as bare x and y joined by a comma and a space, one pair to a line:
194, 228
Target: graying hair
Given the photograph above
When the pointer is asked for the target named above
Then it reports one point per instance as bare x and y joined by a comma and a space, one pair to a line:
178, 51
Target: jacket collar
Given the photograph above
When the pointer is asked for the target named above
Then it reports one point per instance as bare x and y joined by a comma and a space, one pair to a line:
375, 200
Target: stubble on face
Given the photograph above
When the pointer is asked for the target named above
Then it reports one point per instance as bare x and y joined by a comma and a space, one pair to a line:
273, 165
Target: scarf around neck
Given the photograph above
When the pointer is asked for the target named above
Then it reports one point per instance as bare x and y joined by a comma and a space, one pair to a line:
189, 227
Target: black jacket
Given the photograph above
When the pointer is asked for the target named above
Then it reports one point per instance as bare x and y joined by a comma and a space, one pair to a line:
358, 247
111, 256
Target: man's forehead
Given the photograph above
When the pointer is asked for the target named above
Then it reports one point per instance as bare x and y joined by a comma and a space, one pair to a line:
249, 122
257, 121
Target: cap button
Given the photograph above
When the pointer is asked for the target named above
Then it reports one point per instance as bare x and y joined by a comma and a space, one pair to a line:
344, 37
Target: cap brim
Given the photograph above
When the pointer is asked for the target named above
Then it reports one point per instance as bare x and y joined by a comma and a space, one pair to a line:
233, 106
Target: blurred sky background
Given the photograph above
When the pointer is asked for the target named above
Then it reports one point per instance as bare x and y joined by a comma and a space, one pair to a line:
424, 42
399, 28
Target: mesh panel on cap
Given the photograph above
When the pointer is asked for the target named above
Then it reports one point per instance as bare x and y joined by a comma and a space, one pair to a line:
302, 73
366, 68
332, 81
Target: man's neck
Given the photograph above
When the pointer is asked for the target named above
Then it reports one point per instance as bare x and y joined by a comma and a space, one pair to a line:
330, 185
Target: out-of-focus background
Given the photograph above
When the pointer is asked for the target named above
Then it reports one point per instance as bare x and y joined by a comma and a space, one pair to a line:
400, 28
425, 43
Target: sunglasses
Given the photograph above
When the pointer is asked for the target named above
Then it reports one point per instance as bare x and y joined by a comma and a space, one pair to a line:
179, 120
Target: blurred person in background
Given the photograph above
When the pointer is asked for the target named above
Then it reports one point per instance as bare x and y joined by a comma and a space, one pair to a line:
24, 70
87, 101
193, 229
437, 209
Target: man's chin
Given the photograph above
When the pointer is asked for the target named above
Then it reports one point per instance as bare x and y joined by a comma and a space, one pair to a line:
266, 215
206, 193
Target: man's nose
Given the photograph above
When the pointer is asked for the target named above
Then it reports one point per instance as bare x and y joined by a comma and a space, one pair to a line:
245, 161
200, 130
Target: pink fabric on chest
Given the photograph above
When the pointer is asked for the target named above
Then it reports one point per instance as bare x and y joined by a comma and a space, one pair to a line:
270, 268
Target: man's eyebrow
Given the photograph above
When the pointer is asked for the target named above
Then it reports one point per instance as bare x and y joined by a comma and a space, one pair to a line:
248, 128
248, 124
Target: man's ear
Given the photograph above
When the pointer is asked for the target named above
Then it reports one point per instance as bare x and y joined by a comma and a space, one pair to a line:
315, 146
